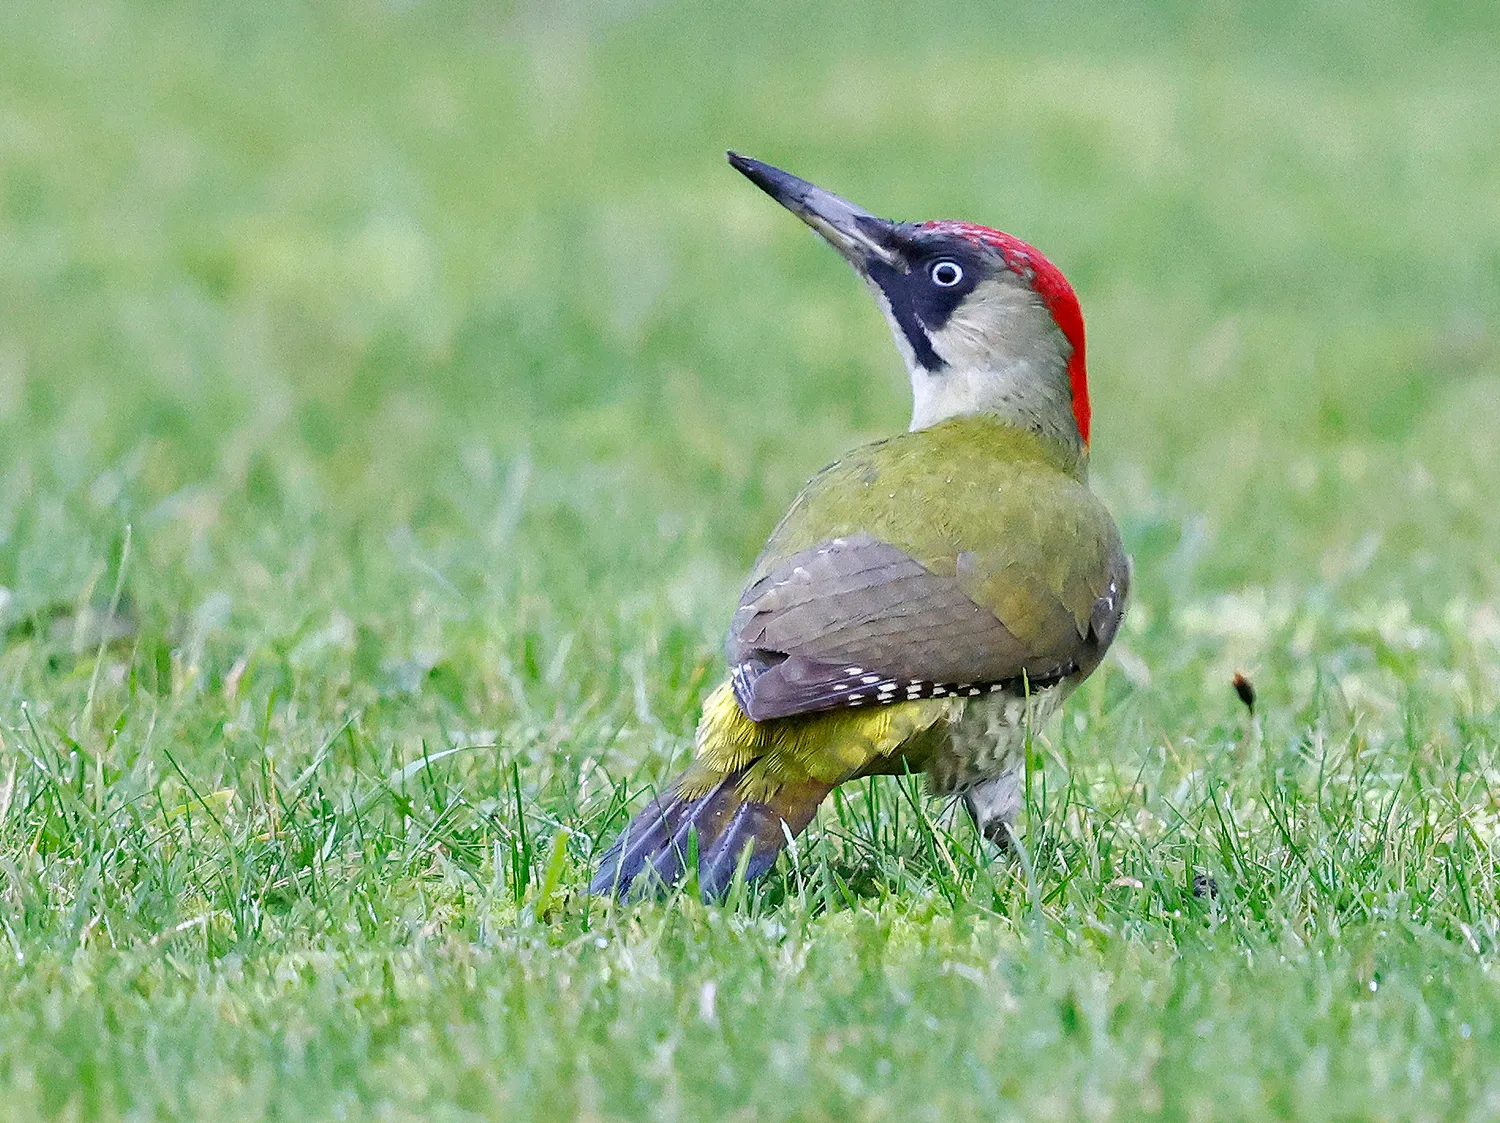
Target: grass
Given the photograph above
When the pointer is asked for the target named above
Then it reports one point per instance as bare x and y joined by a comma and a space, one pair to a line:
392, 398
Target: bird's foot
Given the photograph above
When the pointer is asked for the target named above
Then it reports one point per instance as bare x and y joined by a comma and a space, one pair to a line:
994, 806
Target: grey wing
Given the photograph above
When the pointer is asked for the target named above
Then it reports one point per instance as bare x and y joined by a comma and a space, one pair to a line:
1109, 608
857, 621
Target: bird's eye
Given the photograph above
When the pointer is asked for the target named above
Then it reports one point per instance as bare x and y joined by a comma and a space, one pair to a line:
946, 274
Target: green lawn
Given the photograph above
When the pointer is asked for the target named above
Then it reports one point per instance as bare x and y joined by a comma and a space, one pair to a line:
393, 397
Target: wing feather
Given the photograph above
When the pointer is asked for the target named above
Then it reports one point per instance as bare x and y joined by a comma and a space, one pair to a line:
829, 623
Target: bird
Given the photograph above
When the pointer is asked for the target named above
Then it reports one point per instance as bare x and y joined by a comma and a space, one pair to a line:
927, 598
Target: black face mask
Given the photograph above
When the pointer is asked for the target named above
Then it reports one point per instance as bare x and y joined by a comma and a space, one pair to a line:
923, 299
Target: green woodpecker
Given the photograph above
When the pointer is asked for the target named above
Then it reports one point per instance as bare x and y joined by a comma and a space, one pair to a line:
925, 597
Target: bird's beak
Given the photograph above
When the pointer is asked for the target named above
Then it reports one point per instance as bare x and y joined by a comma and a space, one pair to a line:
854, 232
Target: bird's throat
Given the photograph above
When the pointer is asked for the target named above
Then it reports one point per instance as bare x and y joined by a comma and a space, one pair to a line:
1015, 393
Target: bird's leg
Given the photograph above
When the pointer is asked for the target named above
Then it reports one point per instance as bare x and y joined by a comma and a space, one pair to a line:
993, 805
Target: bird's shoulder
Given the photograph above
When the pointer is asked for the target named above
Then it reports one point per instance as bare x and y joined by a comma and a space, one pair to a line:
966, 486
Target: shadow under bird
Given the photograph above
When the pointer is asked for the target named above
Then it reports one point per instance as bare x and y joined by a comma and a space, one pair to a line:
926, 597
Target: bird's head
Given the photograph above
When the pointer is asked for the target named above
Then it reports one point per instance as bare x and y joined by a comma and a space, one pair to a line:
986, 324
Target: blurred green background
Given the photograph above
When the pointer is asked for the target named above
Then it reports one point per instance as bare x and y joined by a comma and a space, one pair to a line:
378, 380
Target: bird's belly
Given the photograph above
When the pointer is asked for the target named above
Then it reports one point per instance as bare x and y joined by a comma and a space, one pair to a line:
987, 738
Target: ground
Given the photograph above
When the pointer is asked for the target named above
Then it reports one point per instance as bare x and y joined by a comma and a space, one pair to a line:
394, 395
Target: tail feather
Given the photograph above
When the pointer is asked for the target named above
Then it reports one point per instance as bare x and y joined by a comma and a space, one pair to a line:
653, 848
653, 843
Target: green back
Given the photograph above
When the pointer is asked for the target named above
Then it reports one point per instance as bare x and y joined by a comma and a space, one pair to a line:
1006, 511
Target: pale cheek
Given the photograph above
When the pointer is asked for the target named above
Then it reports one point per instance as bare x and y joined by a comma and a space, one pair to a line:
994, 324
963, 343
